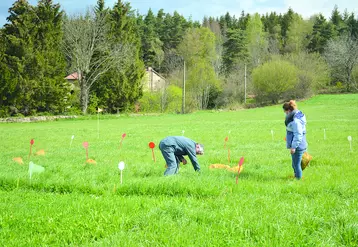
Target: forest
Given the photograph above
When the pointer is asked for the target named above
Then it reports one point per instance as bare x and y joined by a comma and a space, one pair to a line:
228, 61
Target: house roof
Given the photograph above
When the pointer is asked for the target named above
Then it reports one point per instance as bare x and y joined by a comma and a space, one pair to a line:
73, 76
150, 69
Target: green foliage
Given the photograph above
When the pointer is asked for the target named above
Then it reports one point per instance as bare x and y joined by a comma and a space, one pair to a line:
342, 56
285, 24
152, 45
297, 34
313, 74
337, 20
33, 58
323, 31
235, 50
174, 101
36, 65
169, 100
198, 50
272, 79
118, 90
256, 40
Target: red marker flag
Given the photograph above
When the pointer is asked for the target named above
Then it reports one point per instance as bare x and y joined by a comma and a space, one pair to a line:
85, 145
31, 144
228, 155
123, 136
226, 140
152, 146
239, 170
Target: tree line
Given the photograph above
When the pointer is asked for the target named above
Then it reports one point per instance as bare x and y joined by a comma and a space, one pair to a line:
281, 55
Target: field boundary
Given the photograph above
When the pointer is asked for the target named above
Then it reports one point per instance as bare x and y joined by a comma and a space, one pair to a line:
34, 119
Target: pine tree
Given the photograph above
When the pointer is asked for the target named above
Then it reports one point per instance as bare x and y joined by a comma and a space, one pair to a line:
243, 20
352, 26
119, 90
51, 64
235, 50
323, 31
337, 20
18, 37
153, 54
285, 23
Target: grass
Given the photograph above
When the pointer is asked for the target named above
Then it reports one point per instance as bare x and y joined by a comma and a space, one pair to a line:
73, 204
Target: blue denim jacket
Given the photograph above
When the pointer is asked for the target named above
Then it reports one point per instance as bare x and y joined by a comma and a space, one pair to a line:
296, 132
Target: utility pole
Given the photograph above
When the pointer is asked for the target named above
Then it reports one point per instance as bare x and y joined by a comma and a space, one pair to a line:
245, 83
183, 99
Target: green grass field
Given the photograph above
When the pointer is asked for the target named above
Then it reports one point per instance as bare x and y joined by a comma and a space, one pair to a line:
73, 204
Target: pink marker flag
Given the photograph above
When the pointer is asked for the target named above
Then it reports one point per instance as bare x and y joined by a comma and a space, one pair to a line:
31, 144
152, 146
239, 170
123, 136
85, 145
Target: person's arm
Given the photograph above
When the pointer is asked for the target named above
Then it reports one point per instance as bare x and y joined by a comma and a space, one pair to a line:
193, 159
180, 157
297, 134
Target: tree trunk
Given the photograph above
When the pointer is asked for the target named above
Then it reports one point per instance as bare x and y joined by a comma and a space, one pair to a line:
84, 96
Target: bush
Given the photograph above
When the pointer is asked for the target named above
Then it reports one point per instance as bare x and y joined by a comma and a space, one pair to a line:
233, 90
150, 102
168, 100
313, 75
273, 79
174, 103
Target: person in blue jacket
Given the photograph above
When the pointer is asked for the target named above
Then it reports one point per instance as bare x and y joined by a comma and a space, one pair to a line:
295, 135
174, 148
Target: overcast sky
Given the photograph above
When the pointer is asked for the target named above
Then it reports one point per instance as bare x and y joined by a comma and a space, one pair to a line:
197, 9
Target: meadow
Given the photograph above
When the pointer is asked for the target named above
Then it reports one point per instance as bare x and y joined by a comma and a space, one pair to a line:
77, 204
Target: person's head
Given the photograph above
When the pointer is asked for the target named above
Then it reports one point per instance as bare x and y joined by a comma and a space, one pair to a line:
199, 148
289, 106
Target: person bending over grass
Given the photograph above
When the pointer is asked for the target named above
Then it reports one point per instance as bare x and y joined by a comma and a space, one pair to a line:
295, 135
174, 148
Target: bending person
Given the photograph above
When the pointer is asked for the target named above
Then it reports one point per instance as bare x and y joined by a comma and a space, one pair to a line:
174, 148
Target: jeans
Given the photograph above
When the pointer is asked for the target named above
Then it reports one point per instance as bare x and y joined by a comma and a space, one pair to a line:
296, 163
172, 160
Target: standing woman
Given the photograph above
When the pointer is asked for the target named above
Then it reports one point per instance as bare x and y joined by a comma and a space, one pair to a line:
296, 135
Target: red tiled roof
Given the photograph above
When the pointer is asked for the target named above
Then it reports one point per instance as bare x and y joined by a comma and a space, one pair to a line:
73, 76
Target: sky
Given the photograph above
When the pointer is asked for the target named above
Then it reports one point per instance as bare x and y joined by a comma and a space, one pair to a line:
197, 9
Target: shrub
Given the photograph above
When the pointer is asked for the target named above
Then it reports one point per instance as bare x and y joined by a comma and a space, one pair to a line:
150, 102
272, 79
174, 102
313, 74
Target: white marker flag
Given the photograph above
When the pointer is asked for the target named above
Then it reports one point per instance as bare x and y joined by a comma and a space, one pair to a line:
72, 138
33, 168
350, 139
121, 168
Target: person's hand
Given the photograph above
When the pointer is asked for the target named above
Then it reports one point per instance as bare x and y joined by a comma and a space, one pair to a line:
184, 162
293, 150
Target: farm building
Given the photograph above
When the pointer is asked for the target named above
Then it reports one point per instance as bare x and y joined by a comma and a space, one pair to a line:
152, 80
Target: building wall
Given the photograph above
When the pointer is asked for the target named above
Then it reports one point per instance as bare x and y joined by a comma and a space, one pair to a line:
152, 82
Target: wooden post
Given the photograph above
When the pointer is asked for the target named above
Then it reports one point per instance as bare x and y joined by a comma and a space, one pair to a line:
183, 99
